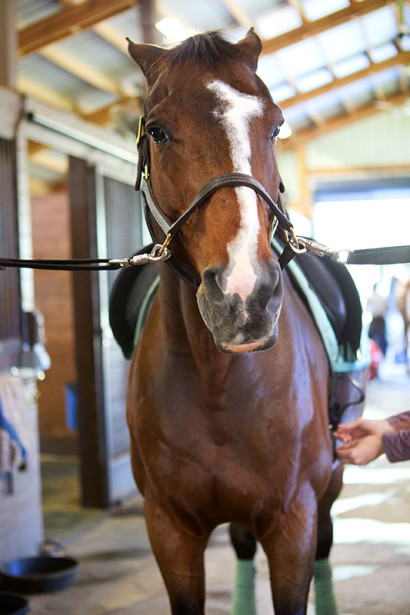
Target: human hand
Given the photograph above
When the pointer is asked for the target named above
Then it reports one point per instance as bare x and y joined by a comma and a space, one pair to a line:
362, 451
361, 428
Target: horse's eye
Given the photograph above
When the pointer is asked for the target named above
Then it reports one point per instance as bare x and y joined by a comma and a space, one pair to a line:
157, 134
275, 132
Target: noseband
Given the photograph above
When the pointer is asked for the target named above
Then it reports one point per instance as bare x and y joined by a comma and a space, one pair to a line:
226, 180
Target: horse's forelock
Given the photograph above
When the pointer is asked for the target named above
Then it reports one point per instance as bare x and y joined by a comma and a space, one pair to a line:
208, 49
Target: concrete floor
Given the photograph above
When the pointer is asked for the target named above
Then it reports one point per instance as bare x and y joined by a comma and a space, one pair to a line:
370, 557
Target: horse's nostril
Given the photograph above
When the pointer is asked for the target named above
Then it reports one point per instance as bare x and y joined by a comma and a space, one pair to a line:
212, 279
269, 287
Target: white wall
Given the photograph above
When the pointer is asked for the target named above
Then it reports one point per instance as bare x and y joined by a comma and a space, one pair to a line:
382, 139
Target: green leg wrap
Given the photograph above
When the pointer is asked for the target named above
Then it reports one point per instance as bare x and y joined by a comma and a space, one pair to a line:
244, 602
325, 601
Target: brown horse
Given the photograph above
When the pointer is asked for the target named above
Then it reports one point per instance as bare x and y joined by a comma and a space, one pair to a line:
221, 433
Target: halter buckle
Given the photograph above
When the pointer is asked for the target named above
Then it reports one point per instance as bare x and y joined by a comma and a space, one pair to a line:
165, 245
295, 242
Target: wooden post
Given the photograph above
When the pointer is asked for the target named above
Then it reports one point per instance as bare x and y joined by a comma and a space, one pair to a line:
88, 352
8, 44
148, 17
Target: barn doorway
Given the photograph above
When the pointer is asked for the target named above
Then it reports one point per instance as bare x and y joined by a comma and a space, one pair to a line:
368, 214
53, 300
81, 209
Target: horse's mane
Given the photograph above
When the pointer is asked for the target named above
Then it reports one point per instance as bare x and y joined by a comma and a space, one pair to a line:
208, 49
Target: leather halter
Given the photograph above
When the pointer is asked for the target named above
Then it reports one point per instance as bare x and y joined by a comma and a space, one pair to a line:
226, 180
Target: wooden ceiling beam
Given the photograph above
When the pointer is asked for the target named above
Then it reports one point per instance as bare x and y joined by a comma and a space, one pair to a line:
33, 148
45, 94
47, 159
69, 21
112, 36
402, 58
102, 116
295, 4
404, 78
318, 26
82, 70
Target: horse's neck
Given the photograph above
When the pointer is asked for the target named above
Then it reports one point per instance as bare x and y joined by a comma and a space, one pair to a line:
185, 328
186, 333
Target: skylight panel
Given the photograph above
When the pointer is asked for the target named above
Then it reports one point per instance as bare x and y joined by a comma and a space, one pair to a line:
282, 92
28, 13
200, 16
405, 43
295, 114
351, 65
298, 117
258, 6
314, 80
359, 92
278, 21
315, 9
301, 58
383, 52
270, 71
327, 105
343, 41
389, 80
380, 26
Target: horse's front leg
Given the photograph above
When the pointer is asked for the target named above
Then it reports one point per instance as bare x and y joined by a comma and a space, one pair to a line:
290, 549
180, 557
325, 600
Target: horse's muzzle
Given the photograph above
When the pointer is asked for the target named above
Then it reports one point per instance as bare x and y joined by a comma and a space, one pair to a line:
238, 323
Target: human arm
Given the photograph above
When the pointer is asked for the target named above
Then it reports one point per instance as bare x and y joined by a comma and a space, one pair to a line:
362, 440
361, 428
400, 421
361, 452
365, 440
396, 445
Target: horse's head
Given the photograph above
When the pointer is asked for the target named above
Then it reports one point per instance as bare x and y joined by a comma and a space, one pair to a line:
207, 113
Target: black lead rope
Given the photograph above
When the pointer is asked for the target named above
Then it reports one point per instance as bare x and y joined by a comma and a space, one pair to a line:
99, 264
157, 254
379, 256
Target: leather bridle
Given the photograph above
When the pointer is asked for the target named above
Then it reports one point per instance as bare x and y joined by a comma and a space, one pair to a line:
226, 180
160, 252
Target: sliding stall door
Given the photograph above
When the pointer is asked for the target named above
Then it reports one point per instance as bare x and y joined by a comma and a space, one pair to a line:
106, 222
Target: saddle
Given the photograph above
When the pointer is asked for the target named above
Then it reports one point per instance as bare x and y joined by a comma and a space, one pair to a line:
130, 299
325, 286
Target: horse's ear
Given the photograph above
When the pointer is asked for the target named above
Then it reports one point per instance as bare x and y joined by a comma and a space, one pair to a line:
251, 47
145, 56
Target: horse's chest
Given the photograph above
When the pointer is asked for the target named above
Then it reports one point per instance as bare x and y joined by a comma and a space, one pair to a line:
217, 456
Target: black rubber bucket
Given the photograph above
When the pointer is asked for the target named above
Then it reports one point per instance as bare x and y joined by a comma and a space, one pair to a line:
32, 575
12, 604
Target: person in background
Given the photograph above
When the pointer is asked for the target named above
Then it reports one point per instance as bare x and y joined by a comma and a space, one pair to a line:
377, 305
403, 305
365, 440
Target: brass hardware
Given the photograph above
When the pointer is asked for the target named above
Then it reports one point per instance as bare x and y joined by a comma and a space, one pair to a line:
141, 129
166, 243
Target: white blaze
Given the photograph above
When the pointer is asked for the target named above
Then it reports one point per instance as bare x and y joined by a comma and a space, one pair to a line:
236, 112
